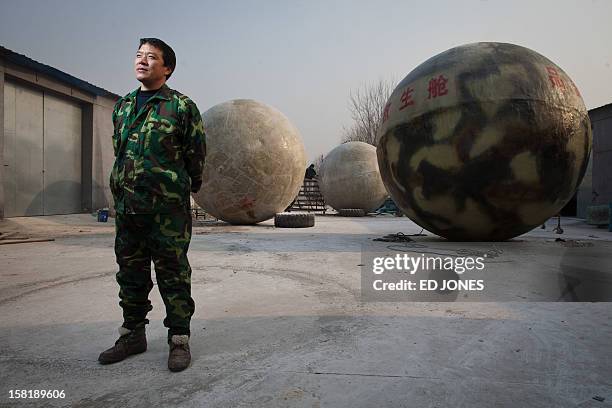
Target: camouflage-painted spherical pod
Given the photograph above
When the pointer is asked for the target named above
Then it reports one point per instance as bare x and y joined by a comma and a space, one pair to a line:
254, 165
484, 142
350, 177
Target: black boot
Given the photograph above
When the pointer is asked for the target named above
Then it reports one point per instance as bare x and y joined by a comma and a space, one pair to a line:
130, 342
179, 356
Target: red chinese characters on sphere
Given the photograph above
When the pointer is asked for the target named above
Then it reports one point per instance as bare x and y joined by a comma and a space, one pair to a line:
555, 80
386, 112
407, 98
437, 87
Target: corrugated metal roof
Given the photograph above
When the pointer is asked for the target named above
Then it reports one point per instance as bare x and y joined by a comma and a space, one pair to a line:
22, 60
609, 105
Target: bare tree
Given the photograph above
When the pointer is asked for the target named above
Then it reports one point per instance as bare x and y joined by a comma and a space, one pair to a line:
367, 105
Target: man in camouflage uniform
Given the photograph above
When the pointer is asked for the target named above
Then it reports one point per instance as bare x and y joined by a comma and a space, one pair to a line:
159, 151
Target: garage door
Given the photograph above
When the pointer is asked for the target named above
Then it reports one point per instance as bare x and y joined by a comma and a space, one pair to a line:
42, 153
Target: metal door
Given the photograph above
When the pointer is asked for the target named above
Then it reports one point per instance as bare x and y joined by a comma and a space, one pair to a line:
23, 151
42, 153
62, 156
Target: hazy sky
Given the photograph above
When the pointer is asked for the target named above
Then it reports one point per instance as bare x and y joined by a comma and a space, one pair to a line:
302, 57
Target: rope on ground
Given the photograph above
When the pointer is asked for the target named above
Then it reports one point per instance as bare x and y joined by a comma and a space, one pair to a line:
399, 237
408, 245
26, 241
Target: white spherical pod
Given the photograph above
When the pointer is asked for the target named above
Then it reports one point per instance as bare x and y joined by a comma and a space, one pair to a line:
255, 162
350, 177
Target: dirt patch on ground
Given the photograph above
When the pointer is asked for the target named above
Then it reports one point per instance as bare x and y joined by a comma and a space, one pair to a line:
53, 226
56, 226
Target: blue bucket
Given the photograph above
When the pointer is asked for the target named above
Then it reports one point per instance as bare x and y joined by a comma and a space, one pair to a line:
103, 215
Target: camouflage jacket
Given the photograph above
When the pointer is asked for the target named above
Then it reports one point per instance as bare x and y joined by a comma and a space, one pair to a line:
159, 153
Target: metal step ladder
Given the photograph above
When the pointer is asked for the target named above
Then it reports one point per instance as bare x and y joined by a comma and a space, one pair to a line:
309, 199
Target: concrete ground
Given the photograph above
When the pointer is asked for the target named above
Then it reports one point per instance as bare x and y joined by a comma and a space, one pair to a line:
280, 322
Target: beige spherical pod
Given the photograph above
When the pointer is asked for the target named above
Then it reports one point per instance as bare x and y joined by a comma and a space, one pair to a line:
255, 162
350, 177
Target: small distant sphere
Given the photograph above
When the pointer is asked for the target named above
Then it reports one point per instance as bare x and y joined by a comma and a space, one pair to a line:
350, 177
254, 165
484, 142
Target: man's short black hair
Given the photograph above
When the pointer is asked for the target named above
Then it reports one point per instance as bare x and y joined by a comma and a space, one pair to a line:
167, 52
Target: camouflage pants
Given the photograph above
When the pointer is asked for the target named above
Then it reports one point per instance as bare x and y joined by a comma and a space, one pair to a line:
163, 239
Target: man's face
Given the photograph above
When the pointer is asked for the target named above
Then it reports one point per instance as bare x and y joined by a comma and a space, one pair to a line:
149, 65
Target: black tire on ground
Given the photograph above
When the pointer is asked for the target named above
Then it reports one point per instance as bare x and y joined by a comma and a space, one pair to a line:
294, 220
351, 212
